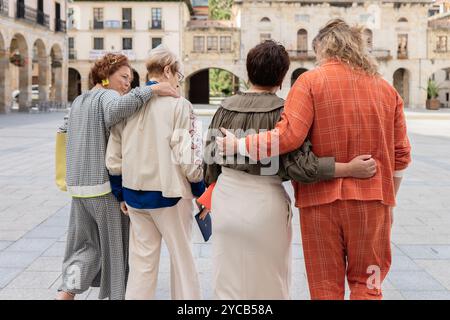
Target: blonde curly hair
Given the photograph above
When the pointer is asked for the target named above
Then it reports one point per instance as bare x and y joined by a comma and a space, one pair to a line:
338, 40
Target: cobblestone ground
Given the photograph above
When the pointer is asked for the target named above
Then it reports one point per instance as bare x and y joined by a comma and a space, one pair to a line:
34, 216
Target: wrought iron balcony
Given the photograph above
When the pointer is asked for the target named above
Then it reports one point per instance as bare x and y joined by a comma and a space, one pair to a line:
4, 7
60, 25
96, 24
128, 25
72, 54
32, 15
97, 54
156, 25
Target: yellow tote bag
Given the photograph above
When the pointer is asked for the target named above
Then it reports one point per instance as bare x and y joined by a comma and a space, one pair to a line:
60, 160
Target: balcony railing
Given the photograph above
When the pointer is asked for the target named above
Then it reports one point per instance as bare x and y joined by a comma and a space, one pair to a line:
96, 24
302, 54
128, 24
32, 15
111, 25
440, 50
97, 54
60, 25
381, 54
402, 55
4, 7
72, 54
156, 25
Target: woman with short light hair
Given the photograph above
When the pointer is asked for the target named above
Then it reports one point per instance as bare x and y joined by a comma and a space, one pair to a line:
155, 160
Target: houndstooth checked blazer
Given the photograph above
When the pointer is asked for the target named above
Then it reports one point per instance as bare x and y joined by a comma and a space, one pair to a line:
92, 115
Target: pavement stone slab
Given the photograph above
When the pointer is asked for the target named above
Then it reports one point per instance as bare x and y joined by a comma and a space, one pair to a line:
46, 264
34, 280
34, 216
414, 281
56, 250
17, 259
26, 244
5, 244
7, 275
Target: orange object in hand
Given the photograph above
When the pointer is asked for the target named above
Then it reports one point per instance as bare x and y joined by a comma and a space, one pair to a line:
205, 198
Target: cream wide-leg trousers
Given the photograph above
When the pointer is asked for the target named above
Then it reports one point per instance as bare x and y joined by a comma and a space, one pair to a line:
251, 237
147, 228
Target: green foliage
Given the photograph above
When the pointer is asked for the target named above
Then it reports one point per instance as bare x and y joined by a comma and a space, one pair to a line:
220, 9
433, 89
220, 83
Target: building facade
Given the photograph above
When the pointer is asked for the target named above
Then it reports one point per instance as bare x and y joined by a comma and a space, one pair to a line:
210, 44
396, 32
129, 27
410, 49
33, 57
439, 52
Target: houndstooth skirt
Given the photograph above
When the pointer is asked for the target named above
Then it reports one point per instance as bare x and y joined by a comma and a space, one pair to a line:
97, 248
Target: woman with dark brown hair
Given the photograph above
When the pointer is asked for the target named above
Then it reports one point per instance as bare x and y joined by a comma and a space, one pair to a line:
97, 239
251, 210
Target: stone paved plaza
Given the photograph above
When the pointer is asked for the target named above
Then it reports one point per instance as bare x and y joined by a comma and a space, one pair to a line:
34, 216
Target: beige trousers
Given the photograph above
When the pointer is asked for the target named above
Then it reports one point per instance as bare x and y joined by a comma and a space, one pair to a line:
252, 234
147, 228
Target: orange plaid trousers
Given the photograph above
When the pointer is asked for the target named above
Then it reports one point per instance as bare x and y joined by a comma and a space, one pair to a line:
350, 239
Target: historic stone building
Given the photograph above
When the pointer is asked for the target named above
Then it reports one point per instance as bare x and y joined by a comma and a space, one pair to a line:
210, 44
129, 27
438, 51
396, 32
399, 35
33, 63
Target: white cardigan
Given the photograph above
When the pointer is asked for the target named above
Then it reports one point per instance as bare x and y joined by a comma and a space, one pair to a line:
159, 148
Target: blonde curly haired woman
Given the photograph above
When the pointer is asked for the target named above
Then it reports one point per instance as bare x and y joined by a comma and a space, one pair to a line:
155, 160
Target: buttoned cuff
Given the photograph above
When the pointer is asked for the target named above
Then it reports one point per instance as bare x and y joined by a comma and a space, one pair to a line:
242, 147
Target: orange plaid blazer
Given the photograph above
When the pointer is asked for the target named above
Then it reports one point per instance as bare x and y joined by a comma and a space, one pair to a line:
346, 113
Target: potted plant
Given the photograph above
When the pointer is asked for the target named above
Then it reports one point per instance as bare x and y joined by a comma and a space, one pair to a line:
56, 64
17, 59
433, 89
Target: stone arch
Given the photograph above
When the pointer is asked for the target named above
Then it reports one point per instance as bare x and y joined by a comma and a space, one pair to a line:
136, 80
56, 57
19, 58
402, 83
39, 69
402, 19
265, 20
197, 87
74, 87
297, 73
